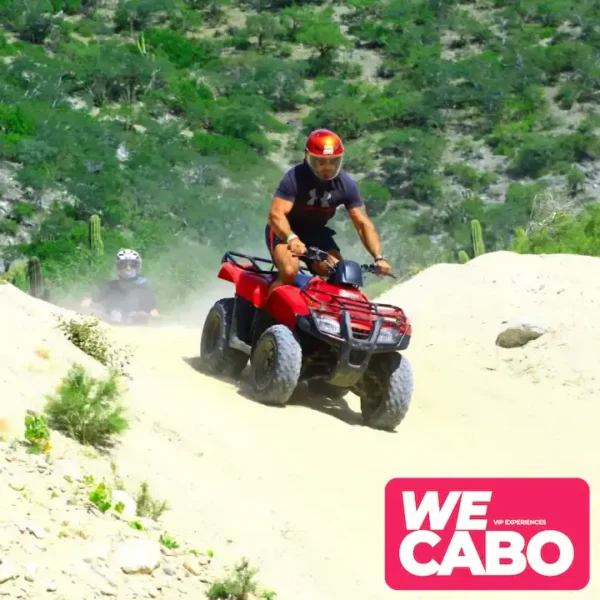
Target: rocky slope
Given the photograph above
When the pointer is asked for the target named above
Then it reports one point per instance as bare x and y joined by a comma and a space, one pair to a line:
70, 527
56, 542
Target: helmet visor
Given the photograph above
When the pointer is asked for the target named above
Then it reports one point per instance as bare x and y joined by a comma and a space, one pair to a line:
128, 268
325, 167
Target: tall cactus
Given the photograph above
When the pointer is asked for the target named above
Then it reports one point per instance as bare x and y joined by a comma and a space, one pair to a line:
19, 277
36, 281
477, 238
463, 257
95, 236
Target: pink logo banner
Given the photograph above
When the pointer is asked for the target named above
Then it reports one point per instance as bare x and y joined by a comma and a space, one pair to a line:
487, 534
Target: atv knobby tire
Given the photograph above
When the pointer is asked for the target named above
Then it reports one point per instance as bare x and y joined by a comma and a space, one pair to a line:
215, 352
318, 386
275, 365
386, 403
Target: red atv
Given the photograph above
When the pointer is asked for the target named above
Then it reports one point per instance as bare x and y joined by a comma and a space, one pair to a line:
320, 330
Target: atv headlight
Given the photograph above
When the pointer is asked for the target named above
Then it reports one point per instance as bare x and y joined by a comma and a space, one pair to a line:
387, 336
328, 325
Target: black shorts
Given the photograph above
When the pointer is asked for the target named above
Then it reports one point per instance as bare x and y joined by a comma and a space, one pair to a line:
320, 237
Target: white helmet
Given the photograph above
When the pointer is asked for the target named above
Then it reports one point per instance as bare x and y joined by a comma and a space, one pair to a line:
128, 263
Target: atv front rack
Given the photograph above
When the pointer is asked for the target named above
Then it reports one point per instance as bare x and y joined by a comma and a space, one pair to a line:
359, 309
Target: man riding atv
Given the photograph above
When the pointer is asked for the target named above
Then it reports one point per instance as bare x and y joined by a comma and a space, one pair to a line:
127, 295
306, 199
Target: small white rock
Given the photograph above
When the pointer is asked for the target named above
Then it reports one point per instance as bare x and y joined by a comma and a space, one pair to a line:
203, 560
137, 556
17, 484
30, 572
193, 566
129, 504
148, 523
98, 550
68, 469
8, 570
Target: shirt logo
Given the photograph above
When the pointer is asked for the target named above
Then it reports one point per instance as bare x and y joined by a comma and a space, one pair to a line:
322, 202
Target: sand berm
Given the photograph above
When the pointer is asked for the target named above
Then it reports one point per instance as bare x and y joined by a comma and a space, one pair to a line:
299, 490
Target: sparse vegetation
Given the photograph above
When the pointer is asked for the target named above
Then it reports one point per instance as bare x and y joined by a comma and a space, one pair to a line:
87, 409
100, 496
168, 541
37, 432
87, 334
563, 234
237, 586
147, 506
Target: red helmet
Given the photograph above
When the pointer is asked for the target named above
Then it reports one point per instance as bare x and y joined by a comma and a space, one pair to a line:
324, 153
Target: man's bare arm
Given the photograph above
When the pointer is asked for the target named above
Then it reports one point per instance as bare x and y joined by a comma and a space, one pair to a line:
366, 230
278, 217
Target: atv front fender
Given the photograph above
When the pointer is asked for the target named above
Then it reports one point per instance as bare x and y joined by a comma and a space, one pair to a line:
285, 304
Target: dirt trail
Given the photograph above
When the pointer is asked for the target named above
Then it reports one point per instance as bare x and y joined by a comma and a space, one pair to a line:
300, 490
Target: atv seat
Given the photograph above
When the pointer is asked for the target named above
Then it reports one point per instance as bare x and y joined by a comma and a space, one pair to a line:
301, 280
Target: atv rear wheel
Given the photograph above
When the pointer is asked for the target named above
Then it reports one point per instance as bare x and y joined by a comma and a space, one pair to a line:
275, 365
318, 386
215, 352
389, 380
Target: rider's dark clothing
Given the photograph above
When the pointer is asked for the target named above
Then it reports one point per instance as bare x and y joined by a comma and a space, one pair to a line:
126, 296
315, 202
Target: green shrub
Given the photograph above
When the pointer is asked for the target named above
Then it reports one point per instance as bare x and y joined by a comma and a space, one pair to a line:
88, 336
237, 586
87, 409
564, 234
36, 432
146, 505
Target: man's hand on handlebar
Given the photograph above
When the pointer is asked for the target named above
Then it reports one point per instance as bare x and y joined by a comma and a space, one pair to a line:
297, 246
384, 267
375, 268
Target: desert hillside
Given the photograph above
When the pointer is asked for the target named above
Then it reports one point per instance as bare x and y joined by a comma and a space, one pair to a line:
173, 121
299, 490
464, 308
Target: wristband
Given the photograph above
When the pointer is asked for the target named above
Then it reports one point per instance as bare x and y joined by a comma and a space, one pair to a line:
378, 257
291, 237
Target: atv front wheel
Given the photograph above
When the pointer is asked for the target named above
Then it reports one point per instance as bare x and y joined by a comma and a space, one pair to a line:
215, 352
389, 381
318, 386
275, 365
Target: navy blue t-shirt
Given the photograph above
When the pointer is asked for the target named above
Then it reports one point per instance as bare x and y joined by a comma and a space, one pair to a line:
126, 295
315, 201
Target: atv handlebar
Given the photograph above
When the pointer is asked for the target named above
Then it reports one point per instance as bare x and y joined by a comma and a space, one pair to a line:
313, 253
376, 269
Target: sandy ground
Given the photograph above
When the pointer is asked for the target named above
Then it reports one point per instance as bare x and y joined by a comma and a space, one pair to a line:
300, 490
